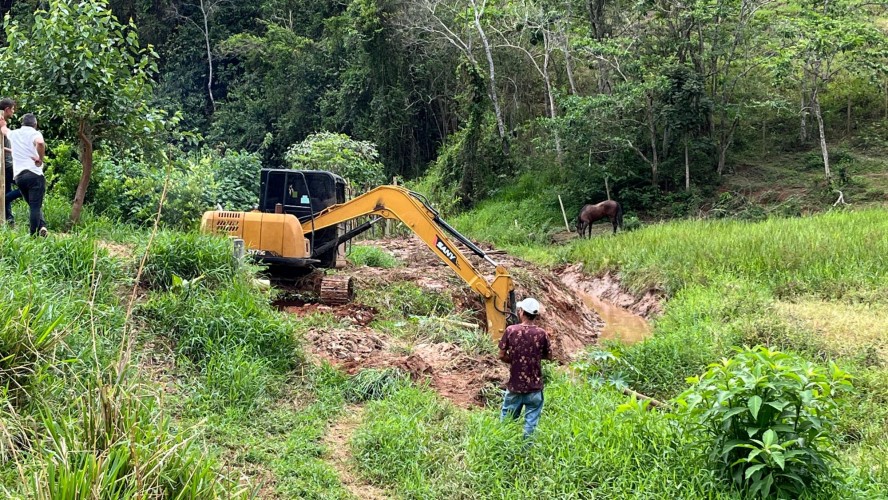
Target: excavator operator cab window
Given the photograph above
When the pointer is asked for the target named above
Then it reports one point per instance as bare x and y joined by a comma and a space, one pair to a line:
302, 193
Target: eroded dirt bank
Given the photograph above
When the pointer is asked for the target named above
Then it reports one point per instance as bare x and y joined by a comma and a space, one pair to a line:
465, 378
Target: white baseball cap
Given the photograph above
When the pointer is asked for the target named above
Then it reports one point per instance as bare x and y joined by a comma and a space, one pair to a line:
529, 305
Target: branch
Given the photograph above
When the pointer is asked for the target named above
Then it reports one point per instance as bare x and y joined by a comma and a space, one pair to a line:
841, 198
643, 156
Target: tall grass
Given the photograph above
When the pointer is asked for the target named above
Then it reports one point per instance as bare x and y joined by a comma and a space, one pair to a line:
363, 255
424, 448
202, 320
114, 441
74, 259
834, 254
70, 427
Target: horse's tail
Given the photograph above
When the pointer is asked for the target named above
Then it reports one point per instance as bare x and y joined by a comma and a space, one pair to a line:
620, 215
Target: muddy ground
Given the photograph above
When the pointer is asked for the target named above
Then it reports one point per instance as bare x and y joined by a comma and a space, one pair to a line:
464, 378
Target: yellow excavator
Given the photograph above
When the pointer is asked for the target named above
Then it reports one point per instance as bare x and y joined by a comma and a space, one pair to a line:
300, 226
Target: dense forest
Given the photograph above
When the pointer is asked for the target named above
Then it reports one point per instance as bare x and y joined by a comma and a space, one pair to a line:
654, 103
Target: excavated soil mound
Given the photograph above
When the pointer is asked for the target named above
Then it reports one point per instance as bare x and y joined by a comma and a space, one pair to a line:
570, 322
457, 375
448, 369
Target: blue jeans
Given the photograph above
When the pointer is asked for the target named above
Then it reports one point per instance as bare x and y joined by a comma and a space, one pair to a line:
531, 402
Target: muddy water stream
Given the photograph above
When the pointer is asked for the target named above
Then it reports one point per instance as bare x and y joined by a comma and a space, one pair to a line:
619, 324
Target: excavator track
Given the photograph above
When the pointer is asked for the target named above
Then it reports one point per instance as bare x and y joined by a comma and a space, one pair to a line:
337, 290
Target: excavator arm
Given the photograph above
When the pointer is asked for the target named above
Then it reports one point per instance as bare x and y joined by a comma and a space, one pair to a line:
393, 202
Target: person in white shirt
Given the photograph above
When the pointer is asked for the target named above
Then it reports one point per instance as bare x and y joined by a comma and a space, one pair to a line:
28, 149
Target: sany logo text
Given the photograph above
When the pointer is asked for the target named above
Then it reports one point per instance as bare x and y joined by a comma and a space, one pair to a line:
450, 254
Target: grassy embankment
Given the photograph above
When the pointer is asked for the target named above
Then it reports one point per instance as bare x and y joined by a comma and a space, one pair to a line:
813, 286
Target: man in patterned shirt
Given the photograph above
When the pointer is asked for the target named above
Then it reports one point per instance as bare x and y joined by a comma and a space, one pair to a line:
523, 346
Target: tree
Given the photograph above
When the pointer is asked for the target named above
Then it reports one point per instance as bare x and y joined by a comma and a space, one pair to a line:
357, 161
450, 21
687, 108
207, 10
826, 38
79, 68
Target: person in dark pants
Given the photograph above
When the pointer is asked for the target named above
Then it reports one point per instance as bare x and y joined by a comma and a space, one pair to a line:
7, 110
524, 346
28, 149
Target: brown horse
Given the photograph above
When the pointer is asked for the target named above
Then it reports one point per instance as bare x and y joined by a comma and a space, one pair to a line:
591, 213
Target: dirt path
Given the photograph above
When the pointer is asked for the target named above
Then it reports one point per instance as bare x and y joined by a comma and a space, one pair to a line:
339, 454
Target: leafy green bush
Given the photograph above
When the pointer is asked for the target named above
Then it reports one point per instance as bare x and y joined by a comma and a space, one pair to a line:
357, 161
236, 176
604, 367
63, 169
188, 256
372, 257
631, 223
766, 419
129, 189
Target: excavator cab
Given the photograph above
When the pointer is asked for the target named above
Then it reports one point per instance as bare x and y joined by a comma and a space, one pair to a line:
304, 193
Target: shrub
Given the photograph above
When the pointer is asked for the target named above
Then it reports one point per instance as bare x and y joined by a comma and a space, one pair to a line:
234, 316
237, 180
188, 256
631, 223
372, 257
766, 419
605, 368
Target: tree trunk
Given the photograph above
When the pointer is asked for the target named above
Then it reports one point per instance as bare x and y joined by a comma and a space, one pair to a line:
550, 93
206, 31
815, 106
568, 60
86, 158
494, 96
803, 126
725, 141
687, 168
595, 9
652, 129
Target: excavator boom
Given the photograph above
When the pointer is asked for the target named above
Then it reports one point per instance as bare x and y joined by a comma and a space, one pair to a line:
393, 202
